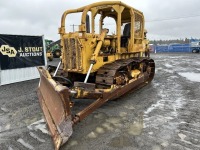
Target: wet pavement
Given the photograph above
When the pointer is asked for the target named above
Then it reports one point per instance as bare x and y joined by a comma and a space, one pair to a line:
163, 115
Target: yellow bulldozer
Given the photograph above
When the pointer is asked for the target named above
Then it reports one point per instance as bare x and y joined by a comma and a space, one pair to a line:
94, 65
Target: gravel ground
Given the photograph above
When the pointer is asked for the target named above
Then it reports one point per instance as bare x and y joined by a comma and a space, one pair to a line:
163, 115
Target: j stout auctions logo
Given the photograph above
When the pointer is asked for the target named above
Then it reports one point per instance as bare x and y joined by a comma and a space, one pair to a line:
30, 51
7, 50
26, 52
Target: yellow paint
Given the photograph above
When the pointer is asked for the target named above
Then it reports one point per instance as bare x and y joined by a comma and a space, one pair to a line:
135, 73
80, 49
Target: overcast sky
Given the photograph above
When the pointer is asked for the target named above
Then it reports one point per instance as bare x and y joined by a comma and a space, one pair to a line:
42, 17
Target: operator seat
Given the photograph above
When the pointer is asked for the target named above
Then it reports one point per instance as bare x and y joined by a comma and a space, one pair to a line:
126, 35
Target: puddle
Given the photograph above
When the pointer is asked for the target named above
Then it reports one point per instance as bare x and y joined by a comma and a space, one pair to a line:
194, 77
156, 147
100, 116
100, 130
136, 127
122, 114
113, 120
165, 144
92, 135
130, 107
108, 126
73, 143
120, 142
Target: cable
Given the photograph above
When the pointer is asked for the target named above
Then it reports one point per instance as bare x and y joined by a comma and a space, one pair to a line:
167, 19
192, 16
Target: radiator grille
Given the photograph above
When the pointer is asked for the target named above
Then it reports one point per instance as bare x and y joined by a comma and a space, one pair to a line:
73, 54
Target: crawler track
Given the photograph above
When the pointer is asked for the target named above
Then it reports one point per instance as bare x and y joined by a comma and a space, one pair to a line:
106, 74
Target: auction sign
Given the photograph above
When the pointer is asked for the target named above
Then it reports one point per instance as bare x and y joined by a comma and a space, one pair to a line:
21, 51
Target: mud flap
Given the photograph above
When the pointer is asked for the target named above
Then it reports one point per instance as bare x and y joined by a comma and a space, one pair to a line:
55, 103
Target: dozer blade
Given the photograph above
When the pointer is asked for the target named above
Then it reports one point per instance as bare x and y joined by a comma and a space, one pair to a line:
55, 103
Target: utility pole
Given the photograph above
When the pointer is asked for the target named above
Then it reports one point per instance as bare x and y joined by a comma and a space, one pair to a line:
73, 25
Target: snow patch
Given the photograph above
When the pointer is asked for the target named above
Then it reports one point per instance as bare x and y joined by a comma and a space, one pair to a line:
168, 65
39, 125
198, 63
36, 137
154, 106
168, 71
194, 77
27, 145
4, 109
10, 148
166, 103
198, 69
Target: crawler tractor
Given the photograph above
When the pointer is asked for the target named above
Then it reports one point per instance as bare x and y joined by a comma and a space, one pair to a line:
99, 66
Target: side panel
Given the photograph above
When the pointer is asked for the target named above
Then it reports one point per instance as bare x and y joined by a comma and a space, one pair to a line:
18, 75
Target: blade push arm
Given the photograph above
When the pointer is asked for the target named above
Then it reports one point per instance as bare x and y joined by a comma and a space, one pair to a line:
96, 52
98, 47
